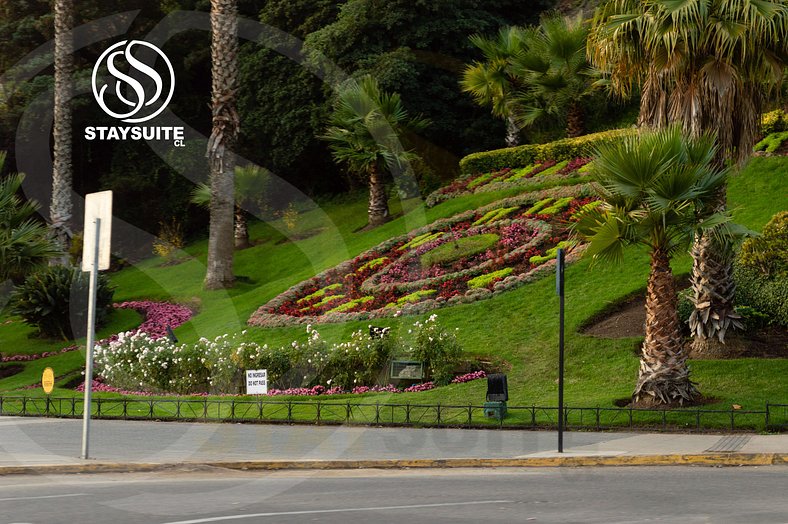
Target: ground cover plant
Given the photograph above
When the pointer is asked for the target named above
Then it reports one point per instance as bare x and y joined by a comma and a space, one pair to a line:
541, 172
472, 255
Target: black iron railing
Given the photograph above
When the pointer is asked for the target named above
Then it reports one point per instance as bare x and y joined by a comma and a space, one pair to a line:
773, 418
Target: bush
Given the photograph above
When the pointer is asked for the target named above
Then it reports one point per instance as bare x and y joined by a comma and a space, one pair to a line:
772, 142
362, 361
767, 295
774, 122
521, 156
684, 305
55, 301
768, 253
438, 348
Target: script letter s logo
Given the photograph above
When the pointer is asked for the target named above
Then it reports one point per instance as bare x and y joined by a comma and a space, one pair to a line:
140, 100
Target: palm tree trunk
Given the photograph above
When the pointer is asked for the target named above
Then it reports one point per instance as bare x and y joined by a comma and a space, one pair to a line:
378, 211
61, 206
241, 229
224, 86
713, 293
512, 132
575, 121
664, 375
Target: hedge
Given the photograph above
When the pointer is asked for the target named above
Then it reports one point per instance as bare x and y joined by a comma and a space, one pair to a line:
767, 295
521, 156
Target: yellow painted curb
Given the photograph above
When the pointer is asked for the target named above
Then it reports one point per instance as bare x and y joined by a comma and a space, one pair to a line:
715, 459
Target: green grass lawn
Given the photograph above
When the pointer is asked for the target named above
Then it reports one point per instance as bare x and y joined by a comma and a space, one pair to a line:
518, 327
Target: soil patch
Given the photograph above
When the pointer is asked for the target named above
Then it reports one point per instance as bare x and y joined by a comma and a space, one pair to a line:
628, 318
10, 371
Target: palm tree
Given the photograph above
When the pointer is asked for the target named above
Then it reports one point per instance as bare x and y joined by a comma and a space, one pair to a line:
25, 244
365, 131
708, 65
652, 188
61, 207
251, 184
491, 82
554, 73
224, 87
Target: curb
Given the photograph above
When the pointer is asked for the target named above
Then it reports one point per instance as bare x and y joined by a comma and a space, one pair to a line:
715, 459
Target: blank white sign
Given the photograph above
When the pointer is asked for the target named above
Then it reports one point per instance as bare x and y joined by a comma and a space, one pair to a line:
97, 205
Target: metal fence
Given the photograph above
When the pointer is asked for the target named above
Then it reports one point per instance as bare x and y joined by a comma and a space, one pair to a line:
773, 418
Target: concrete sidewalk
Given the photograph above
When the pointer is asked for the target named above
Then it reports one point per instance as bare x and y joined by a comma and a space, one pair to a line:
45, 445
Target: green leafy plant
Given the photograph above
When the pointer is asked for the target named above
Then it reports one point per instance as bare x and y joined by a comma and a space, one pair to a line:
25, 244
464, 247
54, 300
768, 253
772, 142
437, 348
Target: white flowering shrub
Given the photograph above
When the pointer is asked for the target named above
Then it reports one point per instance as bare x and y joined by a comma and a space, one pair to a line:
361, 361
438, 348
137, 362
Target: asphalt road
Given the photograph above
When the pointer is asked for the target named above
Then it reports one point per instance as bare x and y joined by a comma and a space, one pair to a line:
587, 495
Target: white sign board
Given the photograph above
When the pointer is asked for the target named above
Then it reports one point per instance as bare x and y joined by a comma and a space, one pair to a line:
97, 205
256, 381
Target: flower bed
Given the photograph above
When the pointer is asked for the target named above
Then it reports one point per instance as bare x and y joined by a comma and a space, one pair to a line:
538, 173
393, 278
158, 315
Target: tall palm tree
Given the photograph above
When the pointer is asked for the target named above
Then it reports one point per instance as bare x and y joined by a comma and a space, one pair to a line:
491, 82
708, 65
224, 88
24, 243
652, 188
554, 72
365, 130
251, 185
61, 207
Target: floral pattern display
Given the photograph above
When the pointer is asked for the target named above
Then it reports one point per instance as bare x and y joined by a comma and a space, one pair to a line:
540, 172
470, 256
158, 315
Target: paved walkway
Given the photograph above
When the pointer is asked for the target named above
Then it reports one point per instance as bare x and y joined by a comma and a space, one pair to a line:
36, 442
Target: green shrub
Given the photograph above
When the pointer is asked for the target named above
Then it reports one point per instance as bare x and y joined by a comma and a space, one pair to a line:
463, 247
774, 122
437, 348
767, 295
684, 305
768, 253
752, 319
772, 142
362, 361
522, 156
54, 300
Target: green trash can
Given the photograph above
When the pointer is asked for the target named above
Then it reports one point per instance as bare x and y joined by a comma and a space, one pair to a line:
497, 395
495, 409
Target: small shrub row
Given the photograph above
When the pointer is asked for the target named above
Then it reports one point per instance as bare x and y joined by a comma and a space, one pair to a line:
139, 362
521, 156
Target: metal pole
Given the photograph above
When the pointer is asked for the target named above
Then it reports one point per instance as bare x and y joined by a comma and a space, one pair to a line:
559, 275
91, 341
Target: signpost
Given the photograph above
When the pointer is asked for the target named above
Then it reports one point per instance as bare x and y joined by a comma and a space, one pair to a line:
95, 257
256, 381
559, 289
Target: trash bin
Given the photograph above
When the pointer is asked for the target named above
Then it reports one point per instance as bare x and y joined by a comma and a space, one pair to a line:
497, 396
